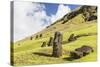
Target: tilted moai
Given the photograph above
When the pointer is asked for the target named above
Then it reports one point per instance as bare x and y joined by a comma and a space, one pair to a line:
57, 45
40, 35
50, 43
36, 37
71, 38
43, 44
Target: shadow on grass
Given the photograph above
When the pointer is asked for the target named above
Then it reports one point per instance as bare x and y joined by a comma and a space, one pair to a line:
42, 54
65, 42
70, 58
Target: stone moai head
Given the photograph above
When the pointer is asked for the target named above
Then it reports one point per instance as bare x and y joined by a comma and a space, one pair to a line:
31, 38
57, 45
40, 35
71, 38
43, 44
36, 37
50, 43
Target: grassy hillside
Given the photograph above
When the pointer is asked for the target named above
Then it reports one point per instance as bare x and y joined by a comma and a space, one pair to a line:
27, 52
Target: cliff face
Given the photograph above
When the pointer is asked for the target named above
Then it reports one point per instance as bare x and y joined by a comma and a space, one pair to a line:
89, 13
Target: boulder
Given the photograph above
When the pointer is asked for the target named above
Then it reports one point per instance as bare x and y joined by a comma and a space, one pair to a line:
76, 54
85, 49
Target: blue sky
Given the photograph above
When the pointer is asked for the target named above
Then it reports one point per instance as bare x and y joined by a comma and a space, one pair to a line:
30, 18
51, 8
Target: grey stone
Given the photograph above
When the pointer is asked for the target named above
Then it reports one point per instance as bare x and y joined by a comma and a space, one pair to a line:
76, 54
57, 45
85, 49
43, 44
50, 43
72, 38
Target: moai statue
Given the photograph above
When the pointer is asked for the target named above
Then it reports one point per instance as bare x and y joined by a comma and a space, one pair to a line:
57, 45
50, 43
71, 38
43, 44
40, 35
36, 37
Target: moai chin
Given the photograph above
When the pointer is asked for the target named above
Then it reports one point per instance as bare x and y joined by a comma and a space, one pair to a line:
57, 45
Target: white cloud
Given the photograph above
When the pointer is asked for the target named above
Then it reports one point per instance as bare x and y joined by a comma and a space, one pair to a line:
26, 25
62, 10
30, 18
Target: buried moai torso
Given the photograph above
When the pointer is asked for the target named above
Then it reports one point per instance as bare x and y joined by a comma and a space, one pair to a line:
71, 38
57, 46
50, 43
43, 44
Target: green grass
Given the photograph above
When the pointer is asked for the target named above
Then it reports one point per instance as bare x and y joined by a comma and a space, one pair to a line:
28, 57
30, 51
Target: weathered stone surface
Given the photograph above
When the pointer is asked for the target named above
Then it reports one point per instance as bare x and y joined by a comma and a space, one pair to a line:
57, 45
76, 54
89, 13
72, 38
85, 49
43, 44
50, 43
92, 18
80, 52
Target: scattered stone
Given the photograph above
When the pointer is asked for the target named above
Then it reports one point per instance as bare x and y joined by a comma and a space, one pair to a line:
85, 49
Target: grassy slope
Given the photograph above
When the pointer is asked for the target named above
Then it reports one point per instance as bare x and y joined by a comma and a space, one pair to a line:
30, 52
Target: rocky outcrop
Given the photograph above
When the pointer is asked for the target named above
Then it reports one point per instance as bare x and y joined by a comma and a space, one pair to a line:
89, 13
